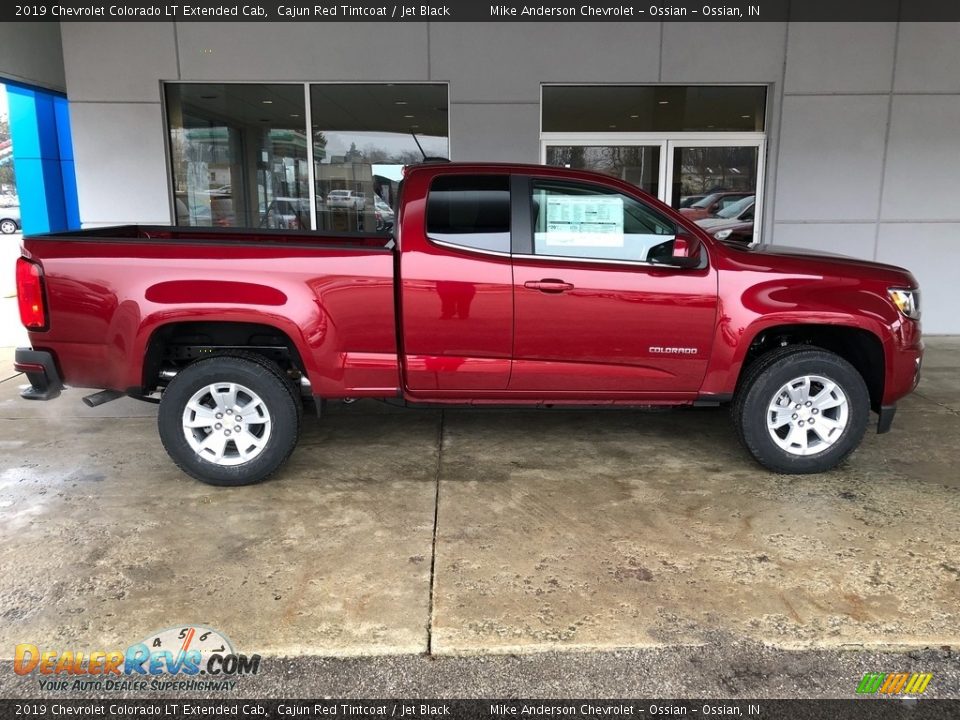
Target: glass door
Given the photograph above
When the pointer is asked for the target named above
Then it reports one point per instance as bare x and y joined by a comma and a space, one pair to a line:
717, 184
714, 179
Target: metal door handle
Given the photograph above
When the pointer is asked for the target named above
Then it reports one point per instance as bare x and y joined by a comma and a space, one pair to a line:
548, 285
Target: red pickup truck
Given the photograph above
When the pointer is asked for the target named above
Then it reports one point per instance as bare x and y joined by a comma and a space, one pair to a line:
501, 285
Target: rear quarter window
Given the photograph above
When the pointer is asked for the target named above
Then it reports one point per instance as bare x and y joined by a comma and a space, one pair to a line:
470, 211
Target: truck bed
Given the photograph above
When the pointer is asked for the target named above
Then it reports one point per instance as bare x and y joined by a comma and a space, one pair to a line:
111, 290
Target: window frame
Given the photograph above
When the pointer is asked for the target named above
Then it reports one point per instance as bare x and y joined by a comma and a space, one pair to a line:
523, 229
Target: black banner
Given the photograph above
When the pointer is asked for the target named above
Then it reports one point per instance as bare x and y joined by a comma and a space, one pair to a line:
474, 10
120, 709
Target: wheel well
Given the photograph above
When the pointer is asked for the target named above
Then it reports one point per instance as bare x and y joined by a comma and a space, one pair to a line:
172, 347
861, 348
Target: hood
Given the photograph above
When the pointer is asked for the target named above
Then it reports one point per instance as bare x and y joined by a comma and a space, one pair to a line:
826, 261
711, 225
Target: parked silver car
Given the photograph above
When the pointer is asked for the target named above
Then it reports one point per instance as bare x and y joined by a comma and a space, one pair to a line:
10, 220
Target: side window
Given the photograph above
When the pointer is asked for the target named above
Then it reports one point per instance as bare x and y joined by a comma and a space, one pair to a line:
472, 211
593, 222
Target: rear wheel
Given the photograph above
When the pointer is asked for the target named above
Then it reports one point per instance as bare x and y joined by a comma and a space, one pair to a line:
801, 410
7, 226
230, 420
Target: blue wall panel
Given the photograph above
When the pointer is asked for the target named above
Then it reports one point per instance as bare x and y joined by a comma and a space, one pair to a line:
43, 160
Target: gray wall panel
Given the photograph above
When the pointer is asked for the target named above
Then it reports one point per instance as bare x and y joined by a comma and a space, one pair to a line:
840, 57
853, 239
120, 161
831, 157
118, 61
929, 251
723, 52
31, 53
922, 179
498, 133
928, 55
308, 51
490, 62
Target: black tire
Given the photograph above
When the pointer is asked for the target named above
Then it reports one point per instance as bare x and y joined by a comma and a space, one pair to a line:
259, 375
760, 384
8, 226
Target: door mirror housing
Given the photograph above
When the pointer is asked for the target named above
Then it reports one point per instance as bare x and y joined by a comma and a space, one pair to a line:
686, 251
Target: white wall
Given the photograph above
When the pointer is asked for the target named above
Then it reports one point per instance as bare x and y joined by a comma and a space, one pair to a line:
861, 124
30, 53
868, 150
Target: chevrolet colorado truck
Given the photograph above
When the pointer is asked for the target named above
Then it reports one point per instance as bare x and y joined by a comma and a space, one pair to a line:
499, 285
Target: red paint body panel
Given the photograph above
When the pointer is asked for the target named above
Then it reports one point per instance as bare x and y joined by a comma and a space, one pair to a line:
443, 324
456, 308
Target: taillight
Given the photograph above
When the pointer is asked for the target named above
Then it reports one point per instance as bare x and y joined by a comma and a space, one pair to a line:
33, 309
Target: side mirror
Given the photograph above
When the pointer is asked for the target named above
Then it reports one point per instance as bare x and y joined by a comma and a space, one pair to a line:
686, 252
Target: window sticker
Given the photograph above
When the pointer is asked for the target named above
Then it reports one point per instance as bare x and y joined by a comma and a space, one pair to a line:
590, 221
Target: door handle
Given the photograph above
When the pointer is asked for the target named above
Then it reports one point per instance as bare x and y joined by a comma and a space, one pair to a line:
548, 285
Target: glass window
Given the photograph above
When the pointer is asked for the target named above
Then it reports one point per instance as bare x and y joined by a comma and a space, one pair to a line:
363, 135
653, 108
472, 211
637, 164
590, 221
238, 154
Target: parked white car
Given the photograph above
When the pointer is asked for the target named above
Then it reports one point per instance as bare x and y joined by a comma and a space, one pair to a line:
346, 198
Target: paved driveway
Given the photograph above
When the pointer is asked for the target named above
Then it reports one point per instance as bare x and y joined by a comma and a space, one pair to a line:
481, 531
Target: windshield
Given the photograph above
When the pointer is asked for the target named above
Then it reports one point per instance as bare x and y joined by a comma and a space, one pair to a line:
732, 211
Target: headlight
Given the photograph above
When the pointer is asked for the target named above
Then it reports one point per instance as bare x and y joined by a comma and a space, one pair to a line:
723, 234
907, 301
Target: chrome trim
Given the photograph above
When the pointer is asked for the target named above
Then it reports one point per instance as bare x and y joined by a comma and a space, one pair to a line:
466, 248
305, 382
597, 261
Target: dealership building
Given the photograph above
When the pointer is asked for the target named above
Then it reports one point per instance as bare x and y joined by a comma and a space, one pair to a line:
841, 137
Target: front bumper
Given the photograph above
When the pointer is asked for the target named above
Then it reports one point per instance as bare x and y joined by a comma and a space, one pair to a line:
41, 371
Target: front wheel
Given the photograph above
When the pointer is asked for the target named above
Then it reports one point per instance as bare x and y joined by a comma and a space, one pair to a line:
7, 226
801, 410
229, 420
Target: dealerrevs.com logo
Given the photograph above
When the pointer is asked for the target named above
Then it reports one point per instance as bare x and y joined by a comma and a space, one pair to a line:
190, 657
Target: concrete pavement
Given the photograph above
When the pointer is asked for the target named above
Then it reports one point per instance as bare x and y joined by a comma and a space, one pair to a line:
555, 531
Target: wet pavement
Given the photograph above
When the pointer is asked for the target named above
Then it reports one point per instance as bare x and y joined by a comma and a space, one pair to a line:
397, 532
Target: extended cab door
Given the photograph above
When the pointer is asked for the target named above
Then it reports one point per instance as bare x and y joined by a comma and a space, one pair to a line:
456, 283
595, 314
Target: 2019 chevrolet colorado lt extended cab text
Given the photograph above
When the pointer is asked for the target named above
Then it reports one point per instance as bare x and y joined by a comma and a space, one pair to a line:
501, 285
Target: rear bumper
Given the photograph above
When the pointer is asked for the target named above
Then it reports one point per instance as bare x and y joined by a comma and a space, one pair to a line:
41, 371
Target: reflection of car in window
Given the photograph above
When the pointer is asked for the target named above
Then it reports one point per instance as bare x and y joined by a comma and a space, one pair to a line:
734, 223
712, 204
287, 214
347, 199
688, 200
384, 214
